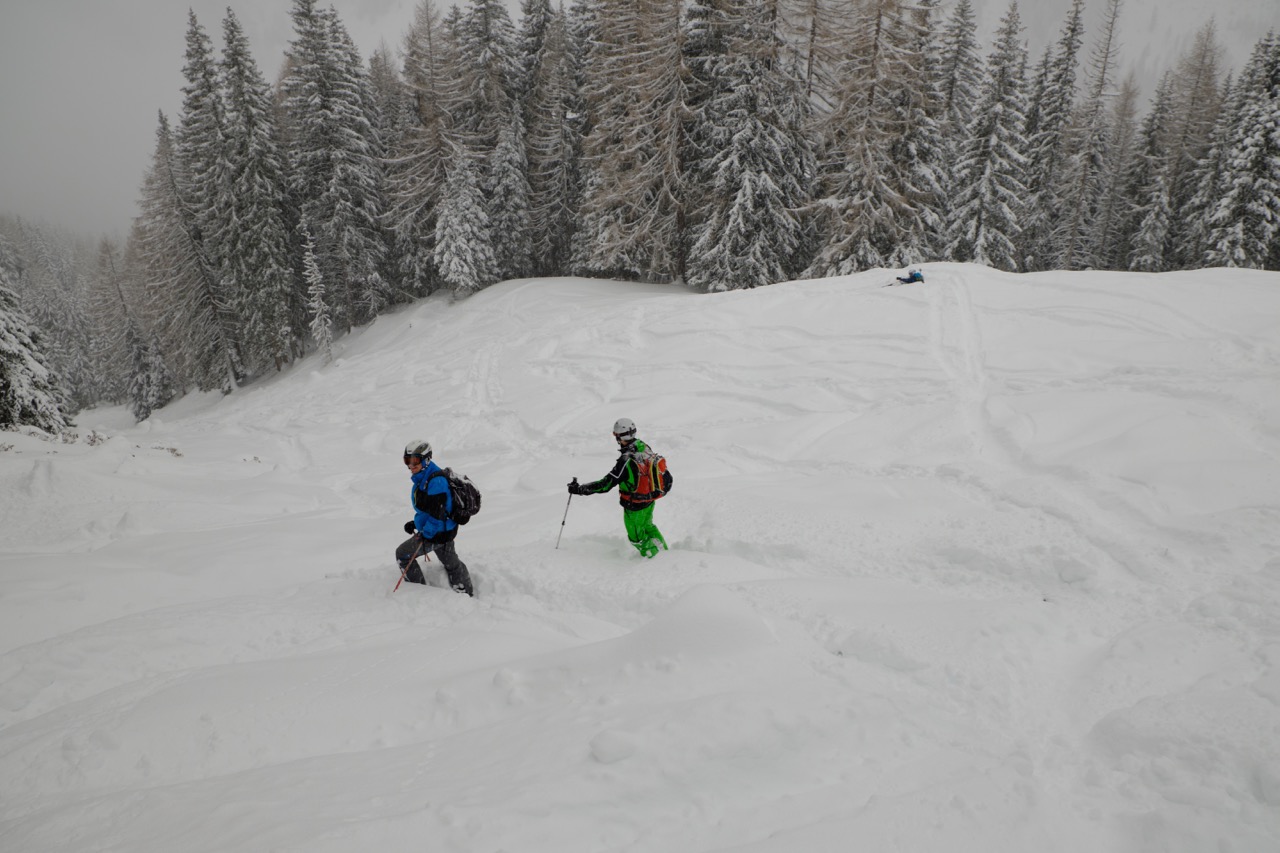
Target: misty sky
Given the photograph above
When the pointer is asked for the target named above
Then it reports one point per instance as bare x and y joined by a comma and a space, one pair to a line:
81, 81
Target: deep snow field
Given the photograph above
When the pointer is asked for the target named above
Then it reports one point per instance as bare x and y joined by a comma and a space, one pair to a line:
986, 564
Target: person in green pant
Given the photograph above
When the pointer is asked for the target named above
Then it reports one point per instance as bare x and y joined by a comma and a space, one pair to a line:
633, 474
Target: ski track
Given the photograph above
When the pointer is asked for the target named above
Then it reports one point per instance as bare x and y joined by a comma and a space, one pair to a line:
1037, 630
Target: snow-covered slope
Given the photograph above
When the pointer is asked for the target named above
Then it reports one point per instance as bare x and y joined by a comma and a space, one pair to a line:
990, 563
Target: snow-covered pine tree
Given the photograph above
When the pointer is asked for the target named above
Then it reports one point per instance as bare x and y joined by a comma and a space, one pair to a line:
1197, 98
959, 77
335, 176
487, 50
1147, 252
392, 105
151, 383
507, 199
113, 323
200, 168
464, 240
1090, 134
417, 165
317, 302
30, 392
989, 191
536, 17
1246, 221
491, 128
359, 188
393, 108
748, 155
1145, 190
55, 297
920, 149
256, 268
553, 111
1210, 178
194, 323
1048, 120
960, 71
1107, 229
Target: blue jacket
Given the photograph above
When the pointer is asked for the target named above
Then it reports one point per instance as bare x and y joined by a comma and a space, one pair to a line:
432, 502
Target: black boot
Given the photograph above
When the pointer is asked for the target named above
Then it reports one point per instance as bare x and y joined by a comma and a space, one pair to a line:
459, 577
413, 574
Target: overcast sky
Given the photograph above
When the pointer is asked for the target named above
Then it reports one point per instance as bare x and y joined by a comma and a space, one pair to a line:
81, 81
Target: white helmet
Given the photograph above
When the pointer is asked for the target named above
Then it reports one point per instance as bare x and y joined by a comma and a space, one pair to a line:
624, 430
419, 447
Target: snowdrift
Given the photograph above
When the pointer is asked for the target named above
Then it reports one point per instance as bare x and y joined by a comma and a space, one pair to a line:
989, 563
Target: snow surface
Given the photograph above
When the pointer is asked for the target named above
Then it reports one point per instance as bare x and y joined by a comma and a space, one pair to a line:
990, 563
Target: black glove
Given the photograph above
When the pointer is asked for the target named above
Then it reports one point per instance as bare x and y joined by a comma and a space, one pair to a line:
409, 528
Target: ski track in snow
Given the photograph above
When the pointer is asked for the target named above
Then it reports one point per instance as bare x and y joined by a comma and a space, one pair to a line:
987, 563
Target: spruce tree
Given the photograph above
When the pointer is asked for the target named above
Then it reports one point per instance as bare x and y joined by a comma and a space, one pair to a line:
1246, 222
335, 176
193, 320
554, 125
490, 127
1197, 95
507, 201
921, 148
317, 302
1193, 225
418, 162
1048, 121
113, 323
989, 188
960, 71
56, 297
750, 157
151, 384
464, 238
1084, 178
1144, 171
256, 267
30, 392
199, 162
1107, 235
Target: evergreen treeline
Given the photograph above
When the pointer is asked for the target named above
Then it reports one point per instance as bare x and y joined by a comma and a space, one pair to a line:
723, 143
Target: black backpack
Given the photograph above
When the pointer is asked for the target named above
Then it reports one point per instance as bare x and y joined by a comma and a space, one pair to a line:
466, 497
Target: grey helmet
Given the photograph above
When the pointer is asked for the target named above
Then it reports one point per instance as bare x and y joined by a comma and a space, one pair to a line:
419, 447
624, 430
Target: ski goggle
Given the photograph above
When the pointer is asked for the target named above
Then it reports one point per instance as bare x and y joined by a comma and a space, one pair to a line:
408, 460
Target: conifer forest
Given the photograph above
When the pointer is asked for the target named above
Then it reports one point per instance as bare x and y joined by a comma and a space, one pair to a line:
722, 144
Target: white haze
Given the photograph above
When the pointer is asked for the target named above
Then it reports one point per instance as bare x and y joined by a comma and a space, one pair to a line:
81, 81
986, 564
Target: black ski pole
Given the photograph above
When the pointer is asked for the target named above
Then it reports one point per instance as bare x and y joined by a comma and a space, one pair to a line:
566, 514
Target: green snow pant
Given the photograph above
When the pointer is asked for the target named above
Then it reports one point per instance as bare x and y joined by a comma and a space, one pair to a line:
642, 532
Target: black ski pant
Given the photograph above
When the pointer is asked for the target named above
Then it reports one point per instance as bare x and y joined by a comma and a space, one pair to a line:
415, 546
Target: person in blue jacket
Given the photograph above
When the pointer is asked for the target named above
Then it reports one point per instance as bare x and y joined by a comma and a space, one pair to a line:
432, 528
912, 275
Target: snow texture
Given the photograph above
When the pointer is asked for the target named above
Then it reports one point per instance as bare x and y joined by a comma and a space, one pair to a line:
989, 563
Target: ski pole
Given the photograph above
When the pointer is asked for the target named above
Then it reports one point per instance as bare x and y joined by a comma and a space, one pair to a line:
566, 514
405, 567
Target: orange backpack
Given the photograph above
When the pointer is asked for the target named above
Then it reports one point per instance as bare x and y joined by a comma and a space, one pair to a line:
653, 480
